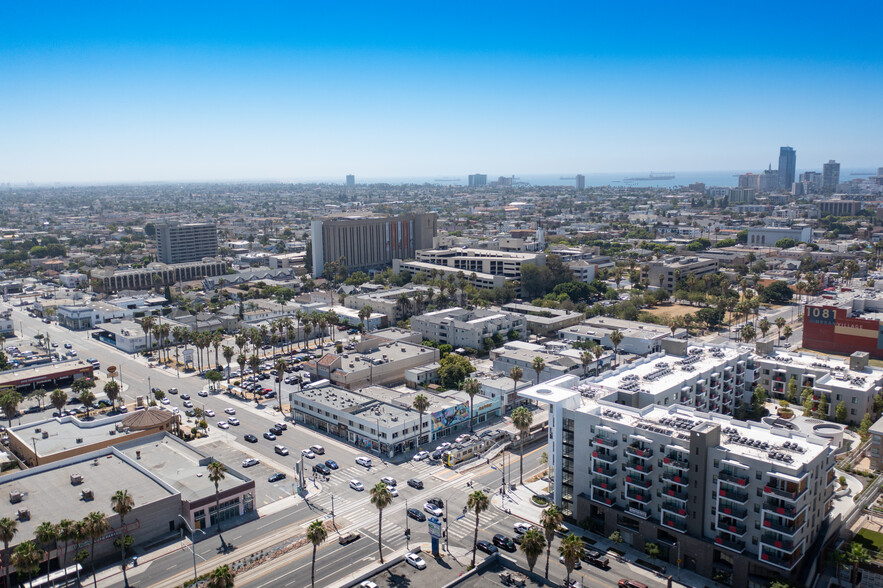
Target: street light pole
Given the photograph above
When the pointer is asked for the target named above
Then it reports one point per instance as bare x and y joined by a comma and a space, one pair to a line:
192, 543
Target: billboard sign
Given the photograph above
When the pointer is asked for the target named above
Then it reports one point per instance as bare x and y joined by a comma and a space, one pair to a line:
435, 530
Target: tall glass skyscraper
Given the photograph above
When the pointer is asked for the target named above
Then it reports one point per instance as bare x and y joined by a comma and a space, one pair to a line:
787, 167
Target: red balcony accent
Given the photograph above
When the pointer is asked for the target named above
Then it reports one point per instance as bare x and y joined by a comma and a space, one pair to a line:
767, 489
671, 492
777, 544
732, 528
604, 485
764, 556
681, 511
766, 523
594, 454
728, 510
718, 540
666, 460
608, 501
723, 492
677, 479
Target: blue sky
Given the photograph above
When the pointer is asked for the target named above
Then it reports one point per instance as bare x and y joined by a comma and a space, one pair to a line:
123, 91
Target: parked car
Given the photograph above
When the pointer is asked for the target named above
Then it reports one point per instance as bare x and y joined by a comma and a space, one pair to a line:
348, 538
317, 449
276, 476
596, 558
321, 468
416, 515
577, 565
415, 483
415, 560
269, 436
631, 584
247, 463
356, 485
486, 546
433, 510
283, 426
504, 542
233, 421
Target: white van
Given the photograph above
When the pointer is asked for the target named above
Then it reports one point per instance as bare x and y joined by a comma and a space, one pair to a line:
281, 450
317, 449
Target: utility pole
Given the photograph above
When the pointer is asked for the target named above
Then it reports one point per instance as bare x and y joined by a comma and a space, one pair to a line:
407, 528
447, 548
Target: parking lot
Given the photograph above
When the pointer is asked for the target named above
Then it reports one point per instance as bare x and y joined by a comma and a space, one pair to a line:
267, 492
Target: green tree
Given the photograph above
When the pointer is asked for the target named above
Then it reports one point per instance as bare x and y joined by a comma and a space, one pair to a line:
807, 406
221, 577
122, 503
216, 474
472, 387
792, 390
616, 538
9, 401
112, 389
532, 545
616, 338
522, 418
316, 533
550, 520
96, 527
380, 498
865, 425
823, 406
477, 502
516, 373
571, 549
538, 365
8, 530
758, 399
840, 412
88, 399
421, 404
748, 333
26, 558
453, 369
857, 556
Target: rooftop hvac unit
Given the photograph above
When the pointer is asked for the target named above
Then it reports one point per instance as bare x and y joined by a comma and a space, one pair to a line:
15, 496
79, 439
76, 479
87, 495
24, 514
45, 434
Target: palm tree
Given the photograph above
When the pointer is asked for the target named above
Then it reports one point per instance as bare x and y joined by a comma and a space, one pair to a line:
586, 358
532, 545
787, 332
112, 389
228, 356
97, 526
221, 577
215, 341
80, 533
9, 402
616, 338
8, 529
147, 326
64, 534
381, 498
764, 326
122, 503
316, 533
471, 387
477, 502
522, 419
840, 561
46, 534
538, 366
26, 558
857, 555
164, 330
242, 360
421, 404
216, 473
364, 314
58, 399
281, 364
780, 322
516, 373
570, 549
598, 351
549, 521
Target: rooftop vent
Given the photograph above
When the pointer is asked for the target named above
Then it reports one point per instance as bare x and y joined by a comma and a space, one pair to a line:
15, 496
24, 514
76, 479
86, 494
79, 439
45, 434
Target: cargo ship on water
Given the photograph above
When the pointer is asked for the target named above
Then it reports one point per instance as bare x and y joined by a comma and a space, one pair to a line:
652, 177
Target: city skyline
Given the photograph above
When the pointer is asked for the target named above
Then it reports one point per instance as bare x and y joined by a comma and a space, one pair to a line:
298, 93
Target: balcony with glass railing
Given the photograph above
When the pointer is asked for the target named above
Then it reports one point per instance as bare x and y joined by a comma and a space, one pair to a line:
732, 492
607, 456
776, 558
603, 483
675, 523
639, 451
733, 544
674, 508
639, 496
783, 525
638, 465
672, 491
673, 476
785, 490
782, 509
604, 470
606, 441
676, 460
779, 542
637, 481
732, 509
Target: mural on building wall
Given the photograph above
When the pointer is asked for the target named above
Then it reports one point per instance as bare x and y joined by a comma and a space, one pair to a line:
450, 416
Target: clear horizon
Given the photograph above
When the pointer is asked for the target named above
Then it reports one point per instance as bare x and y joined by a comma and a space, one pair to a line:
108, 93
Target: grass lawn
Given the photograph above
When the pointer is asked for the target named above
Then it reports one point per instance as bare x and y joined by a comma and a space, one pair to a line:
869, 539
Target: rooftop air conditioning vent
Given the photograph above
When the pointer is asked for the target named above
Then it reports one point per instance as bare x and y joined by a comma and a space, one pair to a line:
76, 479
15, 496
45, 434
24, 514
79, 440
87, 495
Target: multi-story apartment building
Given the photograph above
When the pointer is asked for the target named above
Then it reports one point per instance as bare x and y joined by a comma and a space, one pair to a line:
155, 274
839, 207
744, 501
497, 263
187, 242
855, 383
830, 175
666, 272
468, 328
768, 236
366, 242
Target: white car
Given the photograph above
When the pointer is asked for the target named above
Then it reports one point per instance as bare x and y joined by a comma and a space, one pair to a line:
308, 453
229, 410
364, 461
416, 561
165, 401
233, 421
209, 413
522, 528
247, 463
461, 438
188, 404
368, 584
421, 455
356, 485
202, 393
223, 425
443, 446
433, 510
392, 491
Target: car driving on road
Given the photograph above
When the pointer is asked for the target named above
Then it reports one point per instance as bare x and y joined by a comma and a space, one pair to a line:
415, 483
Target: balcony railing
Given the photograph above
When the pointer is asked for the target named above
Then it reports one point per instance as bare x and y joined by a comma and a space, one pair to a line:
782, 562
782, 493
734, 478
638, 482
785, 510
608, 457
780, 528
734, 511
606, 441
639, 451
674, 523
773, 540
604, 471
674, 492
737, 546
637, 465
675, 460
599, 497
603, 484
739, 496
675, 478
642, 497
674, 507
730, 527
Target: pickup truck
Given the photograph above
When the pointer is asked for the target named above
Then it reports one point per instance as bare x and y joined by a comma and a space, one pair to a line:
596, 558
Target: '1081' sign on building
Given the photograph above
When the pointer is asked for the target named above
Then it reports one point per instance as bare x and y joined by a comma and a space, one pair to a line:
830, 328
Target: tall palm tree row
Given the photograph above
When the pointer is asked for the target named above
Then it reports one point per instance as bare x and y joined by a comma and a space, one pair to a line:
516, 373
538, 364
122, 503
421, 404
549, 521
522, 418
8, 530
532, 545
472, 387
216, 474
478, 502
571, 549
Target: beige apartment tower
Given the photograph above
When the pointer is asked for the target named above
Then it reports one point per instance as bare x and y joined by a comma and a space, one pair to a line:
366, 242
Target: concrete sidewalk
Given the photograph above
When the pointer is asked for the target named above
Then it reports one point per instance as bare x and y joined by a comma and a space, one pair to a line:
517, 503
